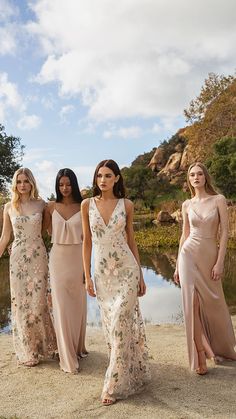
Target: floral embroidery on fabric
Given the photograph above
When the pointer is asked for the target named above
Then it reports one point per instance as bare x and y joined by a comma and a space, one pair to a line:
33, 333
117, 282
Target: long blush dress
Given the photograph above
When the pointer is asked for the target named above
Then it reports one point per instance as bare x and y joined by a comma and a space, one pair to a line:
69, 304
197, 257
117, 282
33, 334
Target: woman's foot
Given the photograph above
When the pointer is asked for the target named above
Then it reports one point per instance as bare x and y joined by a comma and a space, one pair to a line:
202, 369
217, 359
83, 355
108, 400
30, 363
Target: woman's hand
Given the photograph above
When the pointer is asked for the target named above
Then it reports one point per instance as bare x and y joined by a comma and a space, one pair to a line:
176, 276
142, 287
90, 287
217, 271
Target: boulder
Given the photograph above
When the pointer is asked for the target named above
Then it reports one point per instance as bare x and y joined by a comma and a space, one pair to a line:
172, 165
177, 216
158, 160
164, 217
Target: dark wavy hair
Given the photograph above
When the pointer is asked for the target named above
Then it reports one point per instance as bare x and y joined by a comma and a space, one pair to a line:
74, 185
118, 188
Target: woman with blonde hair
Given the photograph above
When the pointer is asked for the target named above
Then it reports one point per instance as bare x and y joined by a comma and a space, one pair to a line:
33, 334
199, 270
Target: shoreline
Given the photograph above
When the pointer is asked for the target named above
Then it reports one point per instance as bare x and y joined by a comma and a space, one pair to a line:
46, 392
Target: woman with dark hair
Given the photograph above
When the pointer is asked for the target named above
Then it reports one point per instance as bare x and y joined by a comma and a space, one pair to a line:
66, 270
199, 270
108, 224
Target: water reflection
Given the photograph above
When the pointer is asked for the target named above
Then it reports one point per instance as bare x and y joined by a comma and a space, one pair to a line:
161, 304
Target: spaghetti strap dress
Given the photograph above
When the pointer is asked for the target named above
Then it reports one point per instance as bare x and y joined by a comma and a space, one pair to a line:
197, 257
69, 304
33, 333
117, 282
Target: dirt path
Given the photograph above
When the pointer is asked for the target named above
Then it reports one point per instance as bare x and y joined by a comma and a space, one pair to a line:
46, 392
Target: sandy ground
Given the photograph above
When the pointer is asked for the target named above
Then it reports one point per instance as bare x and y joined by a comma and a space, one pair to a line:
46, 392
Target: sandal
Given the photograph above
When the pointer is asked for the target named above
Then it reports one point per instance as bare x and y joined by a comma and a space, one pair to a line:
108, 400
202, 369
30, 363
217, 359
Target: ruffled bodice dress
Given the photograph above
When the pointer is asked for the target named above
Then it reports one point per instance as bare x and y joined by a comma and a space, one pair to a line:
68, 289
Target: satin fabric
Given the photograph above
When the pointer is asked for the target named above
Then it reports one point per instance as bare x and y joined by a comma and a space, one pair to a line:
197, 257
68, 289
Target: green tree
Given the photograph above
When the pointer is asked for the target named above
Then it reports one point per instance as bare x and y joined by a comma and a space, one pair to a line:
222, 165
214, 86
11, 153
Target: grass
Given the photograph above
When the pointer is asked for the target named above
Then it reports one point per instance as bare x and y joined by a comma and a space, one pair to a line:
164, 236
158, 236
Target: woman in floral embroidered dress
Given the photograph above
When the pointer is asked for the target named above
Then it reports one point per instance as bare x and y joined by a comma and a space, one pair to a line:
107, 224
33, 333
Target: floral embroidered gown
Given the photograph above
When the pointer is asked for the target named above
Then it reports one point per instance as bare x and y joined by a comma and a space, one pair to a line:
117, 282
33, 333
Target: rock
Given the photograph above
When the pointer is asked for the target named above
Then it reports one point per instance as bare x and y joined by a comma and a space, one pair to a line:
177, 216
172, 165
164, 217
158, 160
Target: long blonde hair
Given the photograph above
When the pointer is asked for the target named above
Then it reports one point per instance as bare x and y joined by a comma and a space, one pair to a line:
34, 194
208, 185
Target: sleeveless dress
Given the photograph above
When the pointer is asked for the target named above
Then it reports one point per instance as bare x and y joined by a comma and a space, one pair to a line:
197, 257
69, 302
33, 333
117, 281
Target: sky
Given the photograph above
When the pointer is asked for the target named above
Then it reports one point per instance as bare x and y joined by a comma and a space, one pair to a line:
86, 80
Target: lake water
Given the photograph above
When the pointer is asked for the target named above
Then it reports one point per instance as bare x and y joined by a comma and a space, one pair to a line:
162, 302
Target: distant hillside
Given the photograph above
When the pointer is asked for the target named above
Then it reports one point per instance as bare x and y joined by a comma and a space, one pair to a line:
195, 142
212, 116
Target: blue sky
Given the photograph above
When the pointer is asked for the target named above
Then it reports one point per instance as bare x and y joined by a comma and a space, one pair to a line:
84, 80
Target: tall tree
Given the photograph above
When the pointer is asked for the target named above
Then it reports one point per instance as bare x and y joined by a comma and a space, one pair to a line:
214, 85
11, 153
222, 165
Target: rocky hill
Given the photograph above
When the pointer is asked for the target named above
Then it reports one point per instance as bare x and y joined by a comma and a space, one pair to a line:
195, 142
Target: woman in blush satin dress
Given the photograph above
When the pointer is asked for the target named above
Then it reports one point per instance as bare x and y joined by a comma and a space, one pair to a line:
66, 271
199, 269
33, 334
107, 224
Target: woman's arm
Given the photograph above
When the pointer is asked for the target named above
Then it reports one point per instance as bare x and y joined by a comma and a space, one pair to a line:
6, 229
87, 247
131, 242
47, 218
184, 236
218, 268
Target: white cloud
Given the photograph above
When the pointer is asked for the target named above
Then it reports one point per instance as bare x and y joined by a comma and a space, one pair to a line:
29, 122
7, 10
9, 96
9, 29
65, 111
133, 58
156, 128
7, 41
123, 132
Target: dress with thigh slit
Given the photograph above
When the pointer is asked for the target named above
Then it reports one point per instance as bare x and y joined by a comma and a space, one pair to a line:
197, 257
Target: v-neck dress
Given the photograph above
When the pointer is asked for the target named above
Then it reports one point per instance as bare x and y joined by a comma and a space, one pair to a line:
117, 283
197, 257
68, 289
